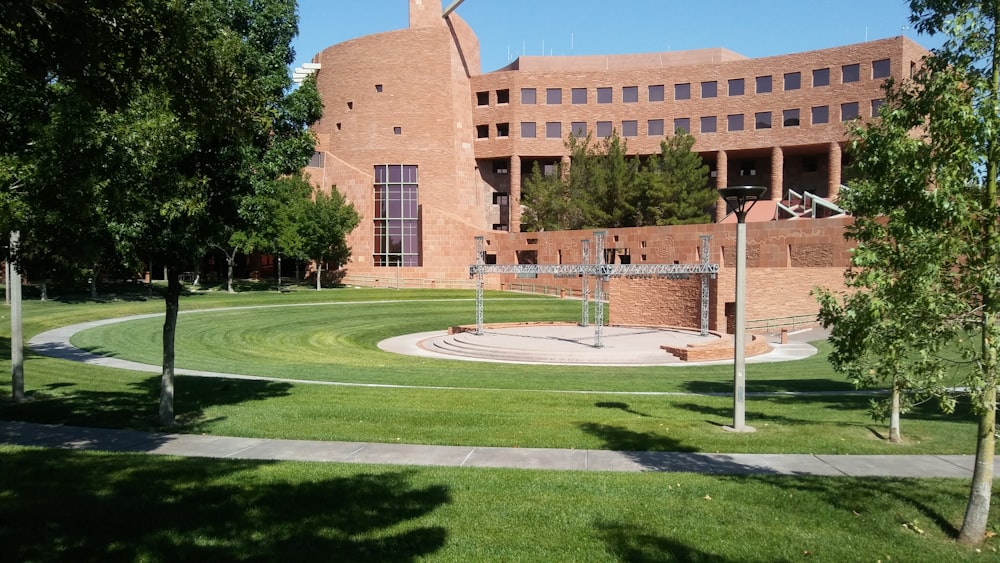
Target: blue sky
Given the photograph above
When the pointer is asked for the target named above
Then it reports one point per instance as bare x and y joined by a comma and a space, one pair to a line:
755, 28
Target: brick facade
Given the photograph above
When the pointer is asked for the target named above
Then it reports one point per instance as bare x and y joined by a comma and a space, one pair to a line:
417, 96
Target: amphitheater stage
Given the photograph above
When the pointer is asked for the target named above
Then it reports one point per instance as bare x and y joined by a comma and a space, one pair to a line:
569, 344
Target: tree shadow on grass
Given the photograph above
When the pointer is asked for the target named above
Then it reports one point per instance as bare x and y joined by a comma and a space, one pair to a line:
620, 406
136, 405
624, 440
630, 545
865, 494
72, 506
768, 386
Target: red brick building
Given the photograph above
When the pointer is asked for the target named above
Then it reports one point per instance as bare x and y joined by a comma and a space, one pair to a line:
432, 151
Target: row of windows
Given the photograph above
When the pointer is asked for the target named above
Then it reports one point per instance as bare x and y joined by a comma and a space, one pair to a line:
818, 115
683, 91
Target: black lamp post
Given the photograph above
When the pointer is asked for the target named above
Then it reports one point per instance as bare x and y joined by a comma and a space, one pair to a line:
740, 199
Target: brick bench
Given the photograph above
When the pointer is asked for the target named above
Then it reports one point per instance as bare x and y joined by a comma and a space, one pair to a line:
721, 350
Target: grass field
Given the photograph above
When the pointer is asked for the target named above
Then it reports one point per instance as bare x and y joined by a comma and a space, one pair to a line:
164, 509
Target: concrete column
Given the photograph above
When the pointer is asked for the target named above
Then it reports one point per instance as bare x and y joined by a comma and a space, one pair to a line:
835, 179
777, 173
721, 181
515, 193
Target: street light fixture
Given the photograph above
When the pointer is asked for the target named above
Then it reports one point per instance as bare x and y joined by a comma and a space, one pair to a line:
740, 199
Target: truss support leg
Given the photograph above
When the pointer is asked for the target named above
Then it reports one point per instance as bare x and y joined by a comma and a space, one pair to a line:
585, 289
599, 288
705, 250
480, 282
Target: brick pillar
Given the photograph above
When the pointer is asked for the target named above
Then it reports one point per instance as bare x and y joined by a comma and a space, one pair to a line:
515, 193
833, 187
721, 181
777, 173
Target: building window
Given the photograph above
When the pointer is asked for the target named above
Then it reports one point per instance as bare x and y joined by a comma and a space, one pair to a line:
553, 130
880, 68
790, 118
630, 94
527, 96
553, 96
709, 89
736, 87
578, 128
850, 73
378, 88
762, 120
578, 96
482, 98
527, 129
654, 127
482, 131
682, 124
748, 168
709, 124
397, 130
793, 80
821, 77
734, 122
848, 111
604, 95
318, 159
503, 129
604, 129
877, 105
500, 167
763, 84
397, 221
630, 128
656, 93
503, 96
682, 91
820, 115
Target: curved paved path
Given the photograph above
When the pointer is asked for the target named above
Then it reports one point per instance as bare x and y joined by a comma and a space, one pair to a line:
56, 343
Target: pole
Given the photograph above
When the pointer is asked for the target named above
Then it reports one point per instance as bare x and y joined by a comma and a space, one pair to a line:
739, 365
16, 329
480, 282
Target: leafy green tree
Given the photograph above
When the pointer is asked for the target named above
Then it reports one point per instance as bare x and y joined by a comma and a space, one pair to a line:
182, 111
326, 222
673, 186
926, 268
606, 188
614, 184
548, 203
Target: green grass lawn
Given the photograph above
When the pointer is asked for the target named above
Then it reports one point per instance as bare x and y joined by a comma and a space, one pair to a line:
77, 506
91, 506
333, 339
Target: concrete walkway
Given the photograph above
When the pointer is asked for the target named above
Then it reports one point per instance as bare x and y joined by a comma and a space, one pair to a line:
192, 445
56, 343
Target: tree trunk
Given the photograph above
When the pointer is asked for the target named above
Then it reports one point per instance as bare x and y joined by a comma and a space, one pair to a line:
978, 510
976, 513
894, 435
229, 273
16, 330
44, 289
319, 275
93, 283
172, 300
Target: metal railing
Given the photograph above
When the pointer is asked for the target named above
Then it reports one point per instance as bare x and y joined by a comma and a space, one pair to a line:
791, 322
391, 281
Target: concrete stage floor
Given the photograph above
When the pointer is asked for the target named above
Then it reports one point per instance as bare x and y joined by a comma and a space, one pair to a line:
569, 344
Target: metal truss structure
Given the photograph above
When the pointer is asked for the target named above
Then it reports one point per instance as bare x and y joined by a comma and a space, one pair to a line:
602, 272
